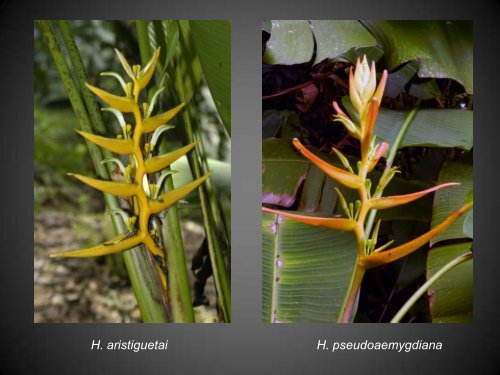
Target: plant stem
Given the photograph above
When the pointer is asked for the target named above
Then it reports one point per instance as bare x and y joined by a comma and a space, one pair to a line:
364, 229
420, 292
186, 81
146, 289
221, 277
215, 204
399, 138
179, 290
388, 164
351, 297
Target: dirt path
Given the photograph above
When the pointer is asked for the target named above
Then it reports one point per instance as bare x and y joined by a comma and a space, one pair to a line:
85, 290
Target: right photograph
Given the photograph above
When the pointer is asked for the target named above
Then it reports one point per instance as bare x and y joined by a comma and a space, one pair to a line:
367, 171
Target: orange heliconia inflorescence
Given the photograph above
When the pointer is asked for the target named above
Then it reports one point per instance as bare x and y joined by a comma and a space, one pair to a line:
366, 98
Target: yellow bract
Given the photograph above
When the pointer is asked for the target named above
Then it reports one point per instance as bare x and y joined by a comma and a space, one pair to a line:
146, 74
119, 243
150, 124
119, 146
121, 189
166, 200
122, 103
157, 163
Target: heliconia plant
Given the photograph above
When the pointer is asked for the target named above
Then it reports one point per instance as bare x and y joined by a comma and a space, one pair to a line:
366, 96
145, 173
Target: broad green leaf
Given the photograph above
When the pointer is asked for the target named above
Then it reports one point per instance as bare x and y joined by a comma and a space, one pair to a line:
448, 200
329, 197
283, 170
291, 42
313, 186
442, 48
315, 268
212, 40
430, 127
450, 297
333, 38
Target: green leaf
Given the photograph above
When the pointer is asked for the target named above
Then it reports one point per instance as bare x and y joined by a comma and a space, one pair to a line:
316, 267
450, 297
212, 40
283, 170
333, 38
291, 42
442, 48
313, 186
172, 41
188, 70
430, 127
448, 200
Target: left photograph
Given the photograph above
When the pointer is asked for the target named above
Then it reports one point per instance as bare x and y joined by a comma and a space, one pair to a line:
132, 177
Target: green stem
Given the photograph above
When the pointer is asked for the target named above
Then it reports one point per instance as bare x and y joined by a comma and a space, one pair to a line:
399, 138
388, 164
179, 289
347, 309
221, 277
215, 204
144, 283
186, 85
420, 292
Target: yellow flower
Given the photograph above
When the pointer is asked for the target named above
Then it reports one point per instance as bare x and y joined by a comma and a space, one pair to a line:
362, 84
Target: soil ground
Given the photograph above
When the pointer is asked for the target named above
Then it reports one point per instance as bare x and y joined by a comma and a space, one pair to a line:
95, 289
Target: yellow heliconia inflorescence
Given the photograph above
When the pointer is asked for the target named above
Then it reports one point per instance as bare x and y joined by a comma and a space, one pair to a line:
366, 98
138, 142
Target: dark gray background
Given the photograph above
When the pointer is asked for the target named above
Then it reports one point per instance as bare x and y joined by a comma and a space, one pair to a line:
246, 345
